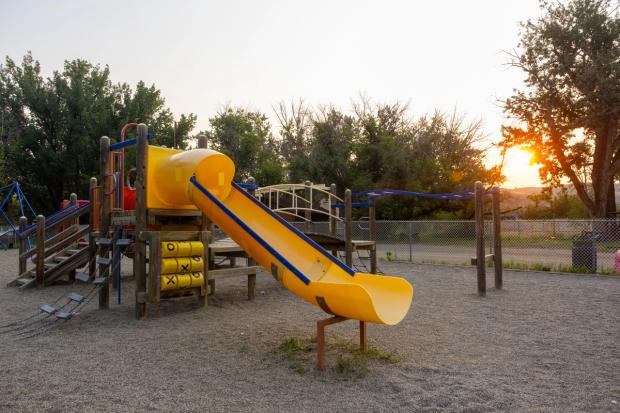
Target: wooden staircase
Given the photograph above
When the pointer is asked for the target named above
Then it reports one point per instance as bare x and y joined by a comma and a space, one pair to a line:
66, 261
61, 247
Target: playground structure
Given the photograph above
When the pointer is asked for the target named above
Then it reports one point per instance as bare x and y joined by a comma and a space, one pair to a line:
178, 195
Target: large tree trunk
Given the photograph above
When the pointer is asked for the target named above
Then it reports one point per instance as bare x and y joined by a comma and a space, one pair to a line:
611, 199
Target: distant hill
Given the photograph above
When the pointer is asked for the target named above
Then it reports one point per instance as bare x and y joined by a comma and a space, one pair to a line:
517, 197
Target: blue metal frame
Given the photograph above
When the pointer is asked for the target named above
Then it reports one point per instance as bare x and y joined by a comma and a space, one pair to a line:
128, 142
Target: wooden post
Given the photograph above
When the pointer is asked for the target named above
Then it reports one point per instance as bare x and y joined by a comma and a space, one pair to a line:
141, 211
22, 245
205, 238
333, 223
320, 338
154, 273
93, 224
373, 237
40, 271
251, 262
497, 240
308, 212
73, 202
348, 228
104, 218
206, 225
480, 259
362, 336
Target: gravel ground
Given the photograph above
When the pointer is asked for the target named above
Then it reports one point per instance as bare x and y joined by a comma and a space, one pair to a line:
548, 342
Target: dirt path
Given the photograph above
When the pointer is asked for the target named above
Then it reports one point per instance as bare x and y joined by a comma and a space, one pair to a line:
547, 343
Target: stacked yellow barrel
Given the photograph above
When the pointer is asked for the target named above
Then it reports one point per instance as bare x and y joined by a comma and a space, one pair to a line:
182, 265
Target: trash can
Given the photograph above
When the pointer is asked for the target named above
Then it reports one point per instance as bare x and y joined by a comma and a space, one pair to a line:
584, 252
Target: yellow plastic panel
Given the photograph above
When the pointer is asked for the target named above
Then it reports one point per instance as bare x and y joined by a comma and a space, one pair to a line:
169, 171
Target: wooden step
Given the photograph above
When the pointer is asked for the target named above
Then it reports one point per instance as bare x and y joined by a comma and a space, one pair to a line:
85, 278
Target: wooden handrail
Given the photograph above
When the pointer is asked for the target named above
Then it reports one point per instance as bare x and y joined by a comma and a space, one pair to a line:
72, 213
66, 242
53, 240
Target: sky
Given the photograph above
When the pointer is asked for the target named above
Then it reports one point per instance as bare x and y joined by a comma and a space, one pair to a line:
203, 55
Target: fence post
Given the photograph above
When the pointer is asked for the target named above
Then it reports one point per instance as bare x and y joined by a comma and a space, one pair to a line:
480, 261
410, 241
348, 228
22, 245
308, 196
373, 237
40, 271
497, 240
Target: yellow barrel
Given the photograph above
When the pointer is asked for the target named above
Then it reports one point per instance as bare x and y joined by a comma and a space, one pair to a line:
185, 280
197, 248
184, 265
181, 265
197, 264
169, 266
169, 282
170, 249
181, 281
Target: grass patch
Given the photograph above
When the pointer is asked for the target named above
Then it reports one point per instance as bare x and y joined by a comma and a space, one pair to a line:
297, 353
539, 266
351, 362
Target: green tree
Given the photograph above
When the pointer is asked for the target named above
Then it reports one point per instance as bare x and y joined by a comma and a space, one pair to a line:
569, 113
52, 126
246, 137
331, 148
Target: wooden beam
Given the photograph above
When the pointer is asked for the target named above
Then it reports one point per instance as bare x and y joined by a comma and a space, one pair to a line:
23, 246
348, 228
141, 221
232, 272
205, 237
40, 271
154, 280
93, 225
104, 217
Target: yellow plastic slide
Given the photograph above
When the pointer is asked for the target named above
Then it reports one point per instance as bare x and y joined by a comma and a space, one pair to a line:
298, 263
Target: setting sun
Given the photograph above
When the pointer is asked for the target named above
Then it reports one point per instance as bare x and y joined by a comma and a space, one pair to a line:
519, 169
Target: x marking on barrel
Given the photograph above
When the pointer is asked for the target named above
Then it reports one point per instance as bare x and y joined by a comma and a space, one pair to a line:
170, 279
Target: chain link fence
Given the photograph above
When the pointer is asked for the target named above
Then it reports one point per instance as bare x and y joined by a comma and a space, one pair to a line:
545, 245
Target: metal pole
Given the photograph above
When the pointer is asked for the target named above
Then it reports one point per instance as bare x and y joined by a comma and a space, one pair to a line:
497, 240
480, 263
410, 241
